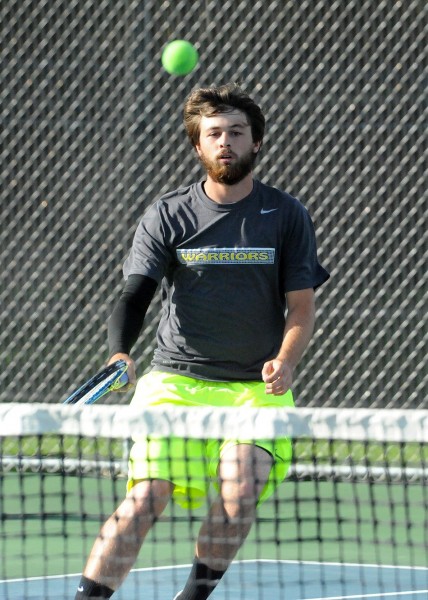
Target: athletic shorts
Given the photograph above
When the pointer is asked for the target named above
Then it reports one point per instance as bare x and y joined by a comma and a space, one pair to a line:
191, 464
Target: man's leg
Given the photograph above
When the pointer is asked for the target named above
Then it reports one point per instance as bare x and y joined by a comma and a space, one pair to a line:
119, 541
243, 472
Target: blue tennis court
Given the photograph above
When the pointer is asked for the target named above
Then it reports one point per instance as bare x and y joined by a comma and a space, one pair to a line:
252, 580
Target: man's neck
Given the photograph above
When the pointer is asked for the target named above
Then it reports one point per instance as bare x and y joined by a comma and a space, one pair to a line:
228, 194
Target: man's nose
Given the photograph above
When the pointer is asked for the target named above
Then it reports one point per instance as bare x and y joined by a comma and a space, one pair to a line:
224, 141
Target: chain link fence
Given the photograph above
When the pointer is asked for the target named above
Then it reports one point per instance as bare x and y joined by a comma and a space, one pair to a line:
92, 134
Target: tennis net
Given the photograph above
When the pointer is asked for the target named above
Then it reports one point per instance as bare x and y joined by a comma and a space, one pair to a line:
349, 521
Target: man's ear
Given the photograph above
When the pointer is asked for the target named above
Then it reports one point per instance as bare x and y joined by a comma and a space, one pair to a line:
256, 147
198, 149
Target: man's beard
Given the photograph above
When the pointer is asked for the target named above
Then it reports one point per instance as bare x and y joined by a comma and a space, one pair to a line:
231, 173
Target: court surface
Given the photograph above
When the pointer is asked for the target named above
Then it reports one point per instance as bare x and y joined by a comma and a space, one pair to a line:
288, 580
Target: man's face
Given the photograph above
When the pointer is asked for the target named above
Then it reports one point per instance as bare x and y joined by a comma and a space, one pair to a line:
226, 147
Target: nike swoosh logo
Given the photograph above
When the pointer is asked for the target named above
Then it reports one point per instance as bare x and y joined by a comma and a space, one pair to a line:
265, 212
80, 588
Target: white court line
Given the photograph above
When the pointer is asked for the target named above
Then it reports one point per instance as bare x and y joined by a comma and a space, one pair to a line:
64, 576
378, 595
333, 564
250, 560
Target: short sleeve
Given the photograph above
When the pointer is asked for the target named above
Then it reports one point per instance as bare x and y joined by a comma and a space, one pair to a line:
302, 269
149, 254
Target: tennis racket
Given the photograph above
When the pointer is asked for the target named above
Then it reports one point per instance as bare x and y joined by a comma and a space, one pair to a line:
109, 379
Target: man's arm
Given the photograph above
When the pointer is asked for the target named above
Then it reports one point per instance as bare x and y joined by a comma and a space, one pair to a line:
299, 327
127, 320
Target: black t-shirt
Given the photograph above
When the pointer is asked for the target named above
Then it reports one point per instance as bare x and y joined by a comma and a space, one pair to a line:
225, 270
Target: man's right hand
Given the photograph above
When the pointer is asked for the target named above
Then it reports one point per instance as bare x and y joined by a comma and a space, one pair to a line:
132, 378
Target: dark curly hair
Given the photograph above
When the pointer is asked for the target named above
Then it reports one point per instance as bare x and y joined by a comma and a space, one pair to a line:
215, 100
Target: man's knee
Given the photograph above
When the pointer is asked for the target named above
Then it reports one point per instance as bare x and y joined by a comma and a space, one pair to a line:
147, 498
240, 500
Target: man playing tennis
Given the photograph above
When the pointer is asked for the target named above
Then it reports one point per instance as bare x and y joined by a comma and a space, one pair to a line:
238, 266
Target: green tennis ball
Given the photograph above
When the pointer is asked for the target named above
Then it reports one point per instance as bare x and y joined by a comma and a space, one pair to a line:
179, 57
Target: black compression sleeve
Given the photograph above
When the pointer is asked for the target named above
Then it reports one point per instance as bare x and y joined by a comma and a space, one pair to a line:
126, 321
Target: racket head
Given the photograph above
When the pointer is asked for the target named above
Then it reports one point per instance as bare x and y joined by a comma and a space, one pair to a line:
110, 378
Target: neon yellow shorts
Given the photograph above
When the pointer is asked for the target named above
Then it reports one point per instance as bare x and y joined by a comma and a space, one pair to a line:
191, 464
